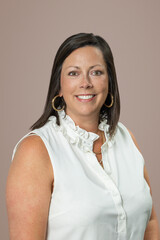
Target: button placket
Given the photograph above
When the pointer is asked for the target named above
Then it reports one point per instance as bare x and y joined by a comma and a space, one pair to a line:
112, 188
121, 225
120, 210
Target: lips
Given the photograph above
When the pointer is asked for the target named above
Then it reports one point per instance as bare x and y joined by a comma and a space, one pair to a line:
85, 96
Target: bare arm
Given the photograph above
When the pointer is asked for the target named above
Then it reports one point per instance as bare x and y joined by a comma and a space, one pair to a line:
152, 230
28, 190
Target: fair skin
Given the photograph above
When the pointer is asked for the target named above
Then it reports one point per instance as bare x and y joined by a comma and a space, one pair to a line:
84, 86
28, 190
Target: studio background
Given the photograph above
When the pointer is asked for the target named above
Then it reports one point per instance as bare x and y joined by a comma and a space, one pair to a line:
32, 31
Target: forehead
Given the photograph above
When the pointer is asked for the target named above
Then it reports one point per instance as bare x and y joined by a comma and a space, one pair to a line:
85, 55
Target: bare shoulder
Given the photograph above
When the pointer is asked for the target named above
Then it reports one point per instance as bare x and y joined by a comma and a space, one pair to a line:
31, 150
31, 157
32, 144
28, 189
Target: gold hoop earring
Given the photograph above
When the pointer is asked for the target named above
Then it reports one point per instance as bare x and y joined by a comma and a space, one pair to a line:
53, 100
112, 101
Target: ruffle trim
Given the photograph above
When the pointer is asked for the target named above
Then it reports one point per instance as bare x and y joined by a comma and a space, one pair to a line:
78, 136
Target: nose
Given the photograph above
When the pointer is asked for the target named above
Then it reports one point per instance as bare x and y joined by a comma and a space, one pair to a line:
86, 82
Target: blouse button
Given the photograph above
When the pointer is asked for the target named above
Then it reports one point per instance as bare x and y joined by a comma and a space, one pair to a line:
122, 217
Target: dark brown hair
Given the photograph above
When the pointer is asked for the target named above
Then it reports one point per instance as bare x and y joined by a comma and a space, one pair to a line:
68, 46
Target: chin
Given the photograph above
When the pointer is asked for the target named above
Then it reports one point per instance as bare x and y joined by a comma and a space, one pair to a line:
83, 111
87, 112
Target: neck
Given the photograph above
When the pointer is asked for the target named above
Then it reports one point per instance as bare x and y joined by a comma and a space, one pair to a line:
88, 123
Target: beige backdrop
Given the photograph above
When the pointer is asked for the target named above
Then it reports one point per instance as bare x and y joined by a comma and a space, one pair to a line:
31, 32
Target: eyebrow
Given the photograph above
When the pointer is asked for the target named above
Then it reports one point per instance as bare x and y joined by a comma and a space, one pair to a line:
100, 65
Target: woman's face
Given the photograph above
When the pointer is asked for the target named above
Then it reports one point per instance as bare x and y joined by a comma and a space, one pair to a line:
84, 82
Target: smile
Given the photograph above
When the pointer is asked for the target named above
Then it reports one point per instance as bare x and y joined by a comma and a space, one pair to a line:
85, 96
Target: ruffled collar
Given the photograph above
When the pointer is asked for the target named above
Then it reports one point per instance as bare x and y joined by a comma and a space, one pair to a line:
78, 136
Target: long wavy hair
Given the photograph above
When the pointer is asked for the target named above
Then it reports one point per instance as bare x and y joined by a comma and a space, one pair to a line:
67, 47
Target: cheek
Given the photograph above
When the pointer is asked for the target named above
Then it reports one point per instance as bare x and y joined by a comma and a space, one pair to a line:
67, 86
103, 85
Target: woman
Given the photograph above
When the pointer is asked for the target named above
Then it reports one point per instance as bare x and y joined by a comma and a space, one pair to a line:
78, 174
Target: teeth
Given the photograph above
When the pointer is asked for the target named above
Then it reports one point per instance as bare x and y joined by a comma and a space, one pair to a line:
85, 97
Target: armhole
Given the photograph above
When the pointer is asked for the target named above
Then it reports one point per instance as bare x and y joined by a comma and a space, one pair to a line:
45, 142
137, 150
17, 145
131, 140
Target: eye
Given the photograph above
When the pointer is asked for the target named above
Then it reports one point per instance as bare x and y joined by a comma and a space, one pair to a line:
97, 73
73, 73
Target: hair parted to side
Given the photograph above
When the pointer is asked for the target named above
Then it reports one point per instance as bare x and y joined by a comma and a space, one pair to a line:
68, 46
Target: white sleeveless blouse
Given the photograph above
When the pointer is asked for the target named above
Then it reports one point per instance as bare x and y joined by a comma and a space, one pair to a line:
89, 202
